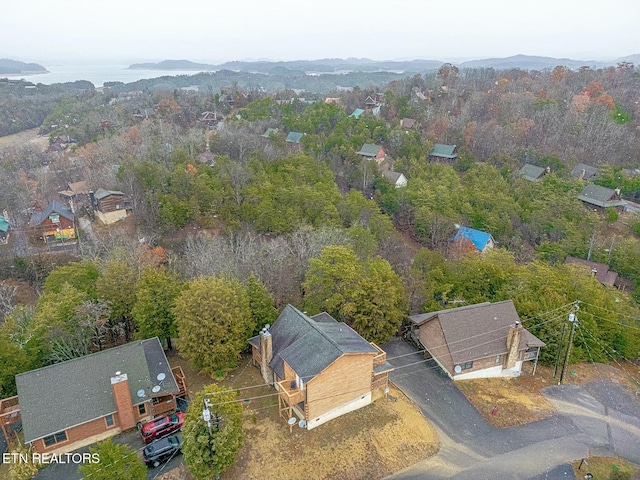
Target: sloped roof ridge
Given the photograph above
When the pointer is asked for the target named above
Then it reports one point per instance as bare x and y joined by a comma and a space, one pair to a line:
106, 352
313, 324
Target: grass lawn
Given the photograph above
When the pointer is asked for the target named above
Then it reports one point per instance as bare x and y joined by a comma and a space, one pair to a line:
605, 468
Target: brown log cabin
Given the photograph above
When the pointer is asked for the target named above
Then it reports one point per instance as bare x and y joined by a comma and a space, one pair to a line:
320, 367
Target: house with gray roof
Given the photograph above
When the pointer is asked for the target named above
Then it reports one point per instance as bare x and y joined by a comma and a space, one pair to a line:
476, 341
398, 179
55, 223
584, 172
599, 198
305, 357
68, 405
533, 173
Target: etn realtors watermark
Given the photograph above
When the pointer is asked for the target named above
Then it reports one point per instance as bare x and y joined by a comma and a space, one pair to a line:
50, 458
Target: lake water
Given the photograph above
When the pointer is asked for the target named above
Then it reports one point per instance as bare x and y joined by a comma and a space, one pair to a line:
97, 74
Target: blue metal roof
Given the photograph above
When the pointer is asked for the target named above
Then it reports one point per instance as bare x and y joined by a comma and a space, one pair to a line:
478, 238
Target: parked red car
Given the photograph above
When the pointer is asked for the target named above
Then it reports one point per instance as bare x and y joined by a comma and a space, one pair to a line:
162, 426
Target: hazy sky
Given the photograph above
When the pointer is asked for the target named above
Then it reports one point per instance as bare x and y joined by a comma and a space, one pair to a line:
214, 31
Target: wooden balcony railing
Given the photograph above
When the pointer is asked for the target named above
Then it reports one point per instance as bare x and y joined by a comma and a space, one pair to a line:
180, 379
380, 358
292, 395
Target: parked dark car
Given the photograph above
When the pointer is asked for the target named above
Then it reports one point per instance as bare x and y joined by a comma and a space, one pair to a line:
161, 426
160, 450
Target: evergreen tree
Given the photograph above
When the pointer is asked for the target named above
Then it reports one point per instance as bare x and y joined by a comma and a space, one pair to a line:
117, 462
153, 314
209, 450
214, 323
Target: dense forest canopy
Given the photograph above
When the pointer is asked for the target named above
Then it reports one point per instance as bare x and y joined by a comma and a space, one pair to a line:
226, 207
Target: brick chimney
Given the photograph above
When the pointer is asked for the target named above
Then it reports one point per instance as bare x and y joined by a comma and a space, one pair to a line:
122, 398
266, 353
514, 335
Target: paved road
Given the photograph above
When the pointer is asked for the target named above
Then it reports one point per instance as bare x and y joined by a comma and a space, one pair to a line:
471, 448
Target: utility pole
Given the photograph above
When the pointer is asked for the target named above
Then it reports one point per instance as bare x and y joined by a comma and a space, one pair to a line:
555, 368
573, 320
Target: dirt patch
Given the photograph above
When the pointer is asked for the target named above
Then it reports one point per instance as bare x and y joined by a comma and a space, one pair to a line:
506, 402
24, 138
371, 443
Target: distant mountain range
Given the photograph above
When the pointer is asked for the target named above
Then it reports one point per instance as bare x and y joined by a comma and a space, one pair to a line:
337, 65
14, 67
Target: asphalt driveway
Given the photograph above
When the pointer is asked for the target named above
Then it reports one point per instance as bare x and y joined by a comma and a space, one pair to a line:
70, 471
471, 448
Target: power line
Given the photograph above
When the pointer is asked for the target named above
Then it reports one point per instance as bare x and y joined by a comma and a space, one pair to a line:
307, 377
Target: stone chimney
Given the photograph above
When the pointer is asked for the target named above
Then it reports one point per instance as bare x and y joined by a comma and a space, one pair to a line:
122, 398
266, 353
514, 335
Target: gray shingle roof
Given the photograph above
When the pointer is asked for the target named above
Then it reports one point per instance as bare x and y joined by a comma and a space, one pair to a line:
311, 344
54, 207
531, 172
584, 172
102, 193
600, 196
477, 331
393, 176
74, 392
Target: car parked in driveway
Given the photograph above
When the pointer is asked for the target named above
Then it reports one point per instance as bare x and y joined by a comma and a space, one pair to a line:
161, 426
160, 450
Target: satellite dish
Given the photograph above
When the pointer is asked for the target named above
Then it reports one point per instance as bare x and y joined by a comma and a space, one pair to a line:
161, 376
140, 393
155, 389
302, 423
292, 421
457, 369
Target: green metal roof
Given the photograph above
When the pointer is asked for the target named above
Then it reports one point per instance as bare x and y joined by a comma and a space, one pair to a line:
445, 151
369, 150
357, 112
294, 137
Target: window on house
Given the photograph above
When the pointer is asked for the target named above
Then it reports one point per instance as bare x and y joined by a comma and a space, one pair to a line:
466, 365
55, 438
142, 409
498, 358
109, 420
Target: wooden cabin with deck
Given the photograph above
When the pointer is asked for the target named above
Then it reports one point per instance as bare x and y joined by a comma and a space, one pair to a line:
321, 368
